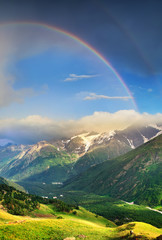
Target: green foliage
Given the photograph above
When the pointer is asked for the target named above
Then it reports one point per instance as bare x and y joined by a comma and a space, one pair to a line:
117, 211
61, 206
20, 203
16, 202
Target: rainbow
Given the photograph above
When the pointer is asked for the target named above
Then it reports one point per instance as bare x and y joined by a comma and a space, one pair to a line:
83, 43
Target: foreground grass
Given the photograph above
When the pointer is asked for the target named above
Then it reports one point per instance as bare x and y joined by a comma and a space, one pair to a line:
59, 229
54, 229
84, 223
6, 217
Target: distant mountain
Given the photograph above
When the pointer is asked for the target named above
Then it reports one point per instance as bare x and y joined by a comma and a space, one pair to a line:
134, 176
106, 146
9, 151
132, 136
99, 154
59, 160
42, 157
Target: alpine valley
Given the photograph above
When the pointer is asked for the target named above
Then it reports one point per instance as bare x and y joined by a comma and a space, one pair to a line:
59, 160
104, 185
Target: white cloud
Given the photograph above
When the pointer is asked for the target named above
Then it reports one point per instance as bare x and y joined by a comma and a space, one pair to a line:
10, 50
9, 95
149, 90
94, 96
37, 128
75, 77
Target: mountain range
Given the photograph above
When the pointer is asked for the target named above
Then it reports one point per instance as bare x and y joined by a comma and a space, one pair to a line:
134, 177
59, 160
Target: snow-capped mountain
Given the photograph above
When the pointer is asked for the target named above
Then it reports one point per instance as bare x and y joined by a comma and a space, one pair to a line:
133, 137
58, 160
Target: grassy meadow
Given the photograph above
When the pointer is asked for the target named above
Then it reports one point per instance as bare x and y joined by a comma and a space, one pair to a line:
77, 224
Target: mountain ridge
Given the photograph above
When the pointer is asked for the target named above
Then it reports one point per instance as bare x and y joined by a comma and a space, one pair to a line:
59, 160
134, 176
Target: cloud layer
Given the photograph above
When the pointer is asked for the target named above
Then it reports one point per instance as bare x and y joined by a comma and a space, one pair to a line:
36, 128
74, 77
94, 96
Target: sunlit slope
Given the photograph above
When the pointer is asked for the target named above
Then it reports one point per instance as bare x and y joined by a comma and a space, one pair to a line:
78, 223
135, 176
82, 225
115, 210
62, 228
41, 162
6, 217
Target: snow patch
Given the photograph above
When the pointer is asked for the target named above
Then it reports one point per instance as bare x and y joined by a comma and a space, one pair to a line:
105, 136
144, 138
130, 143
88, 140
158, 134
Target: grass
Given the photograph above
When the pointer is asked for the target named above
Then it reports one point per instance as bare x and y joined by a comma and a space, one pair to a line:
71, 225
59, 229
6, 217
139, 229
76, 214
115, 210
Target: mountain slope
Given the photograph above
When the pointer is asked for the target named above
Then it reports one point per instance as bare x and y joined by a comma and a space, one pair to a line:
57, 161
39, 158
74, 228
11, 184
135, 176
100, 154
106, 146
7, 153
132, 136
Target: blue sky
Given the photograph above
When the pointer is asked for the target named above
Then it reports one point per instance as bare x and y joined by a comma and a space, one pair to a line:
61, 76
47, 75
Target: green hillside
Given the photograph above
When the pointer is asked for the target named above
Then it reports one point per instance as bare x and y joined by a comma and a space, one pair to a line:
51, 224
135, 176
57, 220
48, 161
71, 229
83, 225
17, 202
11, 184
112, 209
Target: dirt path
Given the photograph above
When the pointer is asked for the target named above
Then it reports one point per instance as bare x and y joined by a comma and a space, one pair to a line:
154, 210
16, 222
